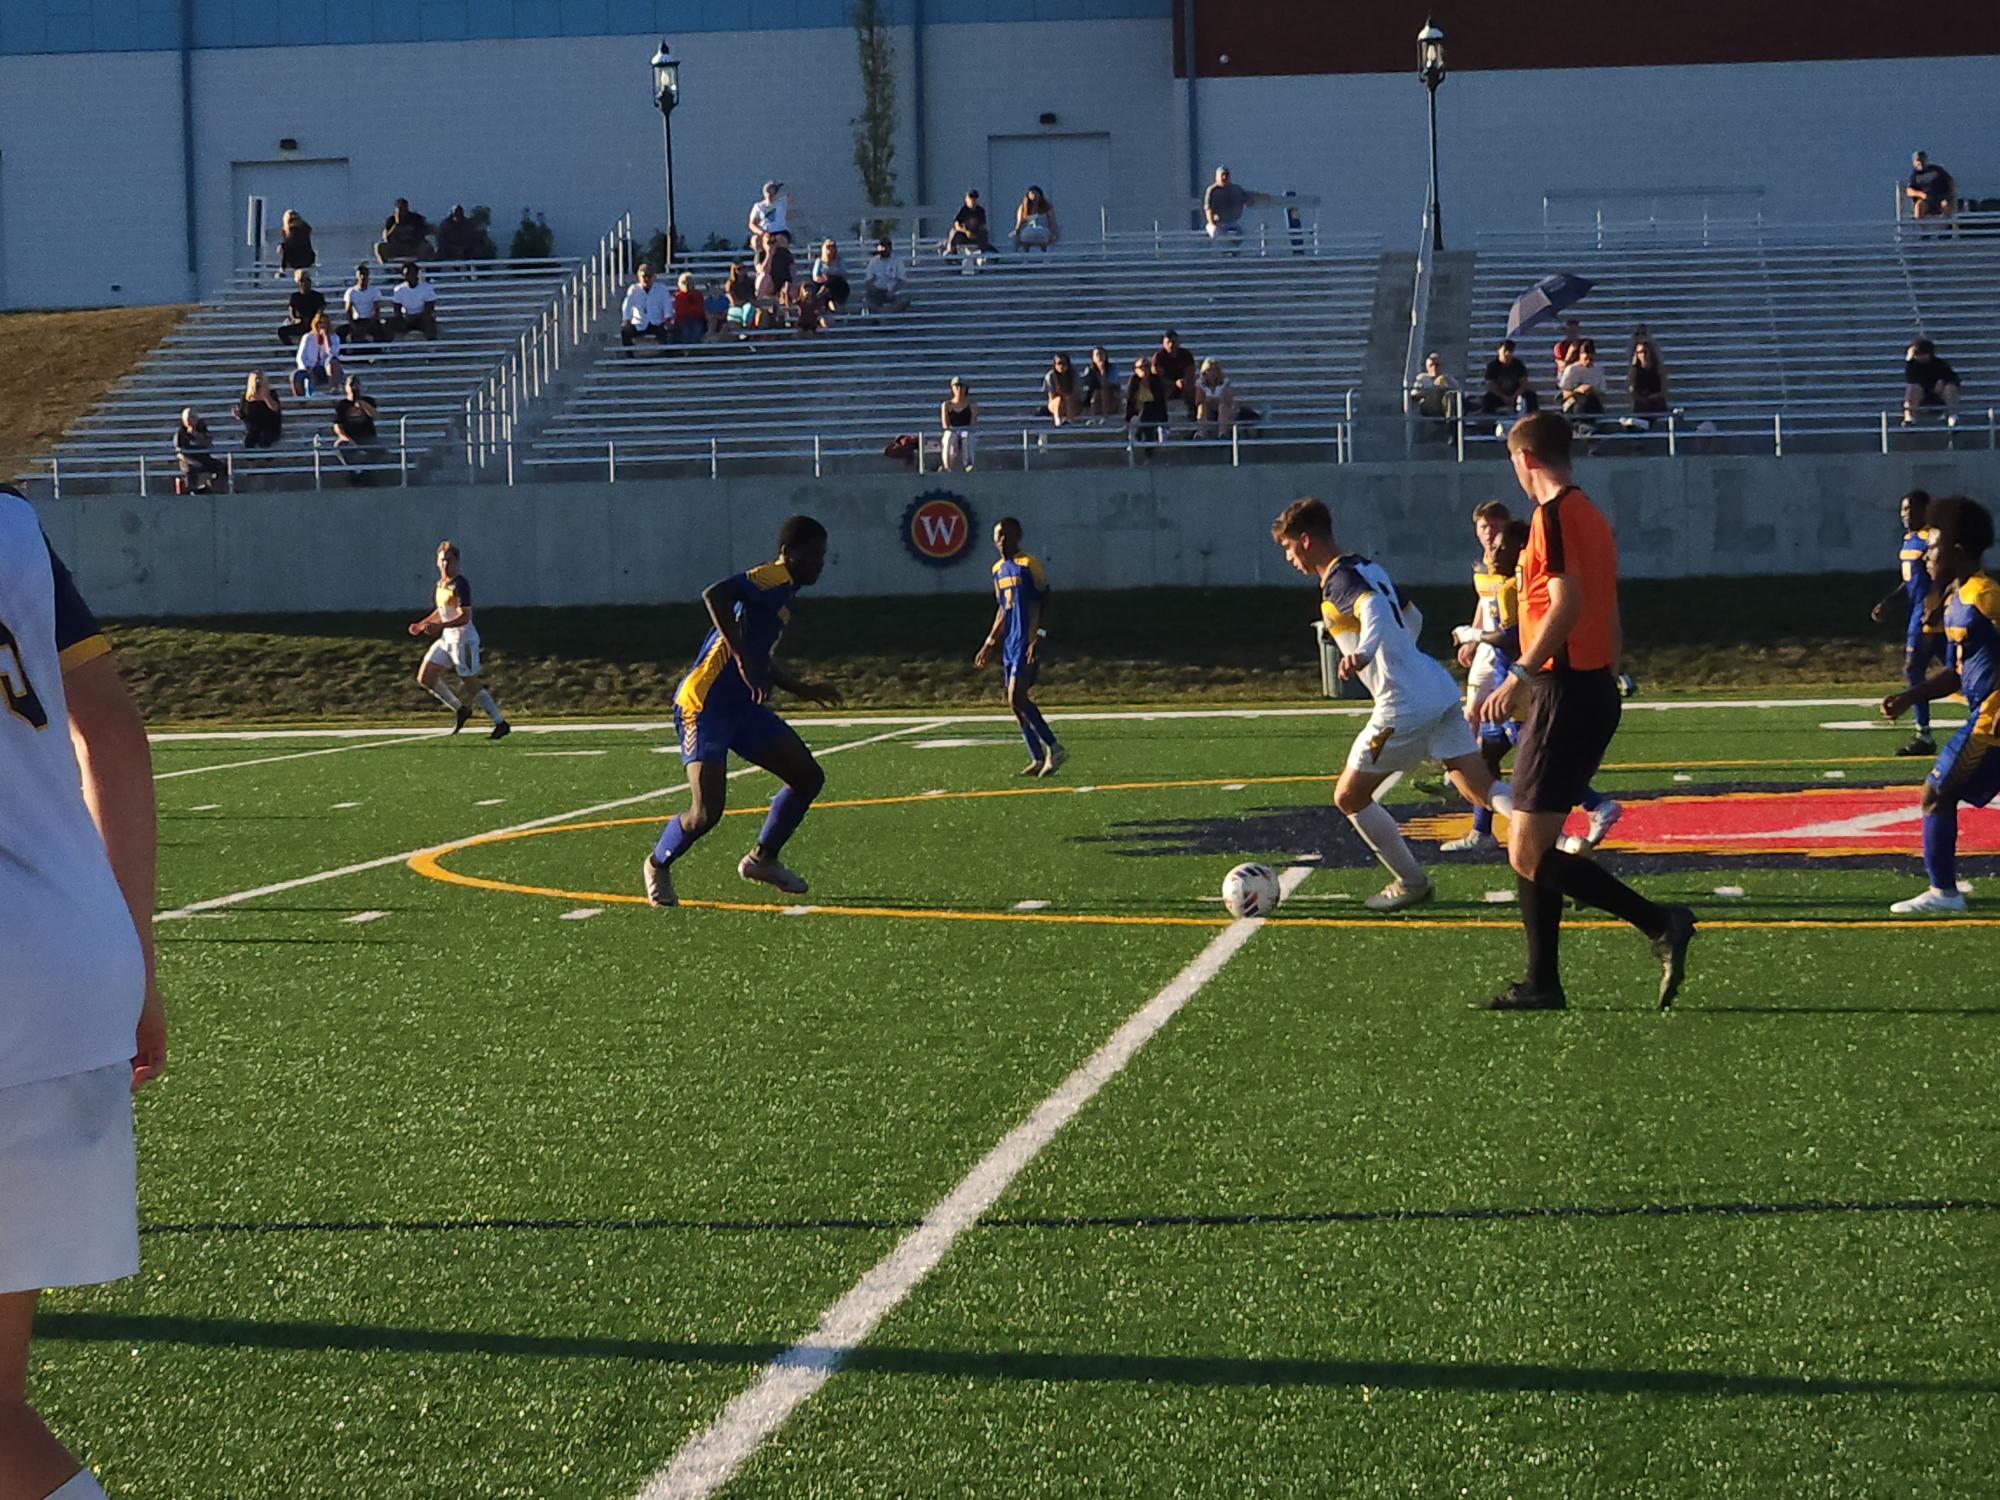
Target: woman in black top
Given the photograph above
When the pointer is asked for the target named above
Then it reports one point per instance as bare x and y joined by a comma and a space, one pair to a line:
1059, 390
1100, 386
295, 244
1146, 404
1646, 379
262, 417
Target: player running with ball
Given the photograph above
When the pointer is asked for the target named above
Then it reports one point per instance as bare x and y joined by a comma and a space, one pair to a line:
721, 706
456, 646
1417, 714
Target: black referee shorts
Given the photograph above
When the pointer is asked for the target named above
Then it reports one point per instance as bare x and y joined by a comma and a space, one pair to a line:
1570, 720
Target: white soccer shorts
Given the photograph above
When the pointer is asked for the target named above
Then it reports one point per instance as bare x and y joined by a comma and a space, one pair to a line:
1402, 743
69, 1206
457, 649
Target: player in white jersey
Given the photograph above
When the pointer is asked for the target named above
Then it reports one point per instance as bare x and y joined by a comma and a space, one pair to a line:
1417, 714
81, 1026
456, 646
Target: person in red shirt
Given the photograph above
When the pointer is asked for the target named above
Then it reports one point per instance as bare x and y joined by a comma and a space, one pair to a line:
1571, 640
690, 312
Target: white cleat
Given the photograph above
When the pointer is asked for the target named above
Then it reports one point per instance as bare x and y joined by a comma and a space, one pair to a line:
1473, 842
1057, 758
1032, 768
660, 884
1932, 903
1396, 896
770, 872
1603, 818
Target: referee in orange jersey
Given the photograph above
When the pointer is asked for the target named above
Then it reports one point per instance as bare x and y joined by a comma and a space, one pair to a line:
1571, 640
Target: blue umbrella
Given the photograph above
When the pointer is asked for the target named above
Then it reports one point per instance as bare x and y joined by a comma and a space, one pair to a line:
1541, 302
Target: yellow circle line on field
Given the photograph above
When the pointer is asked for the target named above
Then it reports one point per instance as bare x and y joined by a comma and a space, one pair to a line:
431, 866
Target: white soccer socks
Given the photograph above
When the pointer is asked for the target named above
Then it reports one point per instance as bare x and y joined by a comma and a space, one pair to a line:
485, 701
1380, 832
444, 695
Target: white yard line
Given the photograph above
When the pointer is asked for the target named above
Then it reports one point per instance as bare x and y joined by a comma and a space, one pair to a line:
660, 726
267, 760
195, 908
710, 1458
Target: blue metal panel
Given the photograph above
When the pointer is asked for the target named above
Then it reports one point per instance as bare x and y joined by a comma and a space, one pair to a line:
585, 18
530, 18
630, 16
159, 27
395, 21
302, 23
441, 20
255, 24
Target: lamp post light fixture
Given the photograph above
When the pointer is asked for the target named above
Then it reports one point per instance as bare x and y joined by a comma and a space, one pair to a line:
1430, 69
666, 94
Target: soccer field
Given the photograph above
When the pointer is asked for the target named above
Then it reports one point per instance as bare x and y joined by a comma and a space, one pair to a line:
472, 1175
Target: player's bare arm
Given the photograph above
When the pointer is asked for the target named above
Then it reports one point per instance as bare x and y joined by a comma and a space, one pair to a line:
1038, 614
992, 637
116, 767
1941, 685
721, 599
824, 693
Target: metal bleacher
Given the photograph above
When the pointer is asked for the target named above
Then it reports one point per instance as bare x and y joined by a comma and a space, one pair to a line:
1288, 317
125, 442
1773, 337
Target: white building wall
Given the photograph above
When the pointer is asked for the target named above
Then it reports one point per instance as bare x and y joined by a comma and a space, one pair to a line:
90, 180
1826, 141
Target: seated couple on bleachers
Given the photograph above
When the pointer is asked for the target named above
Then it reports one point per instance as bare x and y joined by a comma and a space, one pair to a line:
651, 313
379, 314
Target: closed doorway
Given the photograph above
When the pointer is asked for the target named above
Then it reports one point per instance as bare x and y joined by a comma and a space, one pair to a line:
1074, 170
317, 189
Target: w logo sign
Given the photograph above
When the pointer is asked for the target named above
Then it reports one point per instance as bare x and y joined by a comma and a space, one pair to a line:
938, 527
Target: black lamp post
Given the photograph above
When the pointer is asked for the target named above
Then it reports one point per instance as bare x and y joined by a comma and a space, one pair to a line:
1430, 69
666, 94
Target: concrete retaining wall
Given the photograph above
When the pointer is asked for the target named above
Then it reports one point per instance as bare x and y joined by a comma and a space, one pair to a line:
640, 542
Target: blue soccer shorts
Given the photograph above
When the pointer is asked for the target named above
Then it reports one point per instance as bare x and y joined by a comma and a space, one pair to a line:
719, 728
1968, 768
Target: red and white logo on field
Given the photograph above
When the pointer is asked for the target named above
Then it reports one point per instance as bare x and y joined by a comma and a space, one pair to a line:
938, 527
1813, 820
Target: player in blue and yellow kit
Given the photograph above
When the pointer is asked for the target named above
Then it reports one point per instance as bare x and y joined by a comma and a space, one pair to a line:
1968, 768
1021, 592
720, 706
1923, 637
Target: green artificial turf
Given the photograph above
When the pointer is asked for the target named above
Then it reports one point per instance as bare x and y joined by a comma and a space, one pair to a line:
481, 1197
1127, 646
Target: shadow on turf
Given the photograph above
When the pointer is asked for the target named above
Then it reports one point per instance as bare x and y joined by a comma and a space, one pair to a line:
1184, 1370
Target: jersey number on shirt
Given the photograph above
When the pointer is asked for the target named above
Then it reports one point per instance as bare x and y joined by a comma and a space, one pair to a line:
22, 699
1373, 575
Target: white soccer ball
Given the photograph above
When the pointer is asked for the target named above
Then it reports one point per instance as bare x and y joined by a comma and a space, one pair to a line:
1250, 891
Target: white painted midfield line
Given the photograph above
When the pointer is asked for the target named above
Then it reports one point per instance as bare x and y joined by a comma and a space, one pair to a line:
269, 760
234, 898
709, 1459
942, 721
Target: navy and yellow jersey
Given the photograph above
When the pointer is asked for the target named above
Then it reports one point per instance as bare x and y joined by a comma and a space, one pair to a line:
1018, 585
762, 612
1972, 649
1917, 586
454, 597
1499, 610
1367, 615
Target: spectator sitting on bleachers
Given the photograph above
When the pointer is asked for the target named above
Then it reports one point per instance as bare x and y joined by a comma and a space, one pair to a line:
1928, 383
415, 302
814, 313
200, 469
458, 238
1646, 375
354, 443
647, 313
769, 215
829, 273
363, 305
1059, 390
958, 414
742, 294
1222, 206
884, 291
774, 269
1176, 366
406, 235
1570, 347
690, 312
1583, 385
262, 417
1931, 191
319, 359
1431, 400
305, 304
1215, 399
1101, 397
968, 227
1035, 221
295, 244
1509, 387
1146, 404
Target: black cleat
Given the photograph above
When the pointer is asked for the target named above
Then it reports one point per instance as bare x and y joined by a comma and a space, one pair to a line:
1671, 948
501, 730
459, 716
1919, 744
1524, 996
